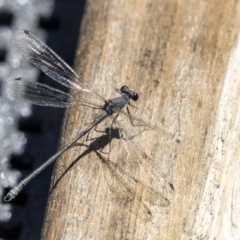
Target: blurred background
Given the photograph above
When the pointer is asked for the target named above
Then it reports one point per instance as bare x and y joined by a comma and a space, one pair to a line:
29, 134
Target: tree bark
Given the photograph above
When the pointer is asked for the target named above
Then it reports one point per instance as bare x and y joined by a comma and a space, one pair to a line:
183, 59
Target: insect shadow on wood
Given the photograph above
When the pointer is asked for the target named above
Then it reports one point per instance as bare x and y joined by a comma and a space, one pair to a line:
122, 183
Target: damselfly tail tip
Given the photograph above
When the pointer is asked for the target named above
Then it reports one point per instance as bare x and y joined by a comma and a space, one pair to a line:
9, 197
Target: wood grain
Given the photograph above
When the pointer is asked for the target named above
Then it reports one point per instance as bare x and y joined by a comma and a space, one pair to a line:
183, 59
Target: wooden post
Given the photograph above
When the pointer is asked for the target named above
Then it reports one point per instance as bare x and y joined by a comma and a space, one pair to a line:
183, 58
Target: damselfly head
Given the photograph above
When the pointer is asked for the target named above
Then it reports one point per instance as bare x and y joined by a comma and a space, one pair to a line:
130, 93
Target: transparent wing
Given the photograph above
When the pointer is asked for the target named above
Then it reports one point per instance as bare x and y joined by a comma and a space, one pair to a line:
134, 149
48, 61
128, 188
41, 94
119, 176
37, 93
131, 127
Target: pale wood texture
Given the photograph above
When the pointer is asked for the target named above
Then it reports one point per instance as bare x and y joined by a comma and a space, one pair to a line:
183, 59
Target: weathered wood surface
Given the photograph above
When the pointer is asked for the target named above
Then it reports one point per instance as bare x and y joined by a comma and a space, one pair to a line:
183, 58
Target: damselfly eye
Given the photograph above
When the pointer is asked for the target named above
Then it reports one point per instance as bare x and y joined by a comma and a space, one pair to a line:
135, 97
124, 89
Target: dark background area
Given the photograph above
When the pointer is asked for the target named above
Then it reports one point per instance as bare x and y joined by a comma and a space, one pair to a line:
42, 129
